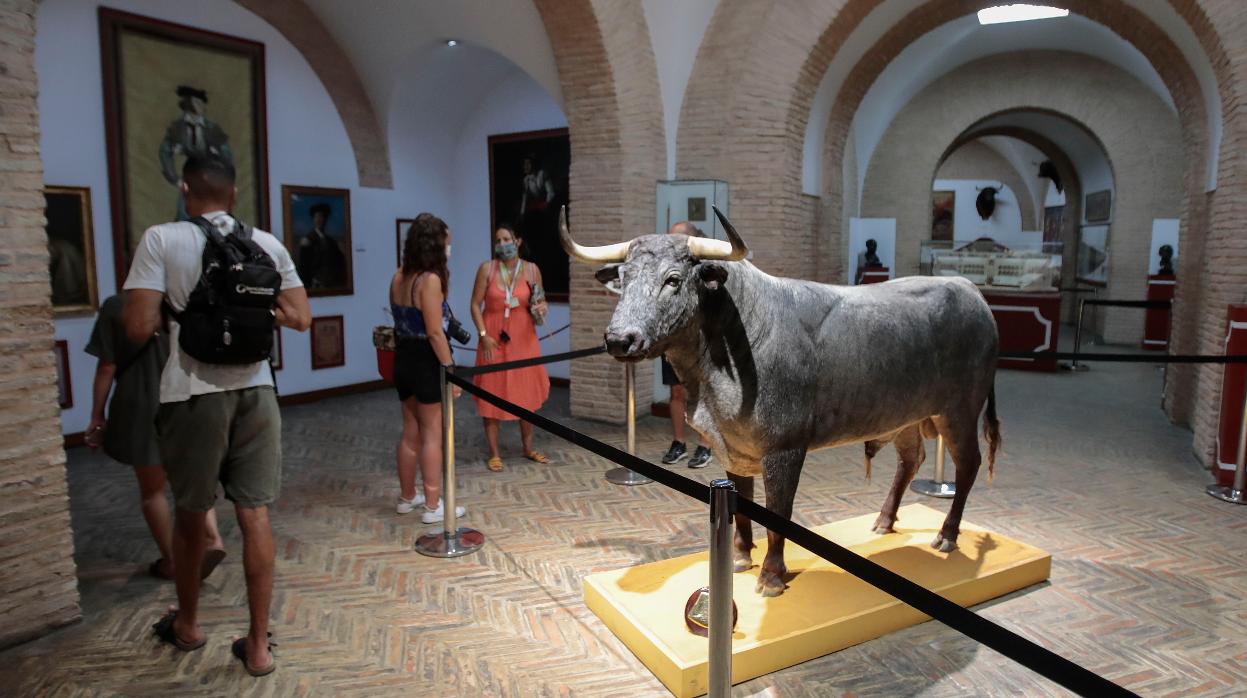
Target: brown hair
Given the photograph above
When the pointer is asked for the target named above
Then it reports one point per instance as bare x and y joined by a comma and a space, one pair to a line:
425, 248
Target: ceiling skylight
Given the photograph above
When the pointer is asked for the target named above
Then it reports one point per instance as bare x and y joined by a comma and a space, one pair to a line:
1018, 13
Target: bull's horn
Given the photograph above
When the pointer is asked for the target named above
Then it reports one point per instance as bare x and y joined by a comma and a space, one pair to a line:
605, 253
732, 251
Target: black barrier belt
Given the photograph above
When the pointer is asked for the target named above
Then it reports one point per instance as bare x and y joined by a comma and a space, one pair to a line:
523, 363
1078, 290
681, 484
1025, 652
542, 338
1129, 304
1128, 358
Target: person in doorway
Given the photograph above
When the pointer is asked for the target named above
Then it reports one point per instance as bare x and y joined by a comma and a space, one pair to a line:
505, 297
678, 451
418, 303
127, 430
217, 423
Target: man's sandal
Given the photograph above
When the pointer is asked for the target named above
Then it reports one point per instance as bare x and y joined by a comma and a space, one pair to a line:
537, 457
239, 649
495, 465
166, 633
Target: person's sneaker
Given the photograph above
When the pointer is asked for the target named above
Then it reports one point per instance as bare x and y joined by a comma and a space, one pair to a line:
406, 506
701, 458
436, 515
675, 454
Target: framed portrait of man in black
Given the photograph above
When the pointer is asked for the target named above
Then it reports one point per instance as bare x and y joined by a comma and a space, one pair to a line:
317, 226
528, 175
71, 250
171, 92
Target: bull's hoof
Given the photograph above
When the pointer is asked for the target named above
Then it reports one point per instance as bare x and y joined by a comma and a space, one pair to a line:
883, 525
740, 564
770, 584
944, 544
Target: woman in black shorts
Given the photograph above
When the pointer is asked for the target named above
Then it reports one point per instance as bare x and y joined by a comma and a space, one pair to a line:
417, 294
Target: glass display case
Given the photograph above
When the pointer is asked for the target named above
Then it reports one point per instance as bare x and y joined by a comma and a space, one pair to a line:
992, 265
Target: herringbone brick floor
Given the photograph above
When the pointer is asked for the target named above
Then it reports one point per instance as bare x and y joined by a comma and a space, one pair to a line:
1148, 584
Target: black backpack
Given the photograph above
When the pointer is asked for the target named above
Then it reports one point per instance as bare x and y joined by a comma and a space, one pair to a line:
230, 315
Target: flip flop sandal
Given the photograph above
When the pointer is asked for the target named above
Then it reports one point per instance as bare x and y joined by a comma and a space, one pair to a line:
166, 633
537, 456
154, 570
211, 559
495, 465
239, 649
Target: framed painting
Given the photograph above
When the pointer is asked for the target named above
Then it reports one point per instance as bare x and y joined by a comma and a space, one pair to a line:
400, 232
1098, 206
65, 391
274, 358
317, 225
943, 210
71, 250
172, 91
528, 175
328, 347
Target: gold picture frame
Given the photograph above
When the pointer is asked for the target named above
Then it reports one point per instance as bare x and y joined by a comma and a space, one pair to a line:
71, 250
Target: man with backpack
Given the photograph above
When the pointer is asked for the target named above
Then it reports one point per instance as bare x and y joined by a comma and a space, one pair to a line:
220, 287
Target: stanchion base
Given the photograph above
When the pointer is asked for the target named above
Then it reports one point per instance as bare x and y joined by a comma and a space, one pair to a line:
439, 544
1077, 368
931, 488
1227, 494
623, 476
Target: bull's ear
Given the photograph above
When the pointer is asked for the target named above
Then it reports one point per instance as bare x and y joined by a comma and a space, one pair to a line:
712, 274
608, 276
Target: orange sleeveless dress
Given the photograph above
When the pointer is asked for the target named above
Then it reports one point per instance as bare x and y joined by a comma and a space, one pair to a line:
527, 387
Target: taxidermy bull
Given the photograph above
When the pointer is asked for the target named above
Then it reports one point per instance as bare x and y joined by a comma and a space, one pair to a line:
775, 367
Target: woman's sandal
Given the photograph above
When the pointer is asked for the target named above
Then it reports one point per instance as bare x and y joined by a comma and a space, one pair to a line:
537, 457
239, 649
166, 633
495, 465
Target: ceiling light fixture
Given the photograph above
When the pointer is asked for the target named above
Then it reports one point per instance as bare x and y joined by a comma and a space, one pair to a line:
1019, 13
452, 43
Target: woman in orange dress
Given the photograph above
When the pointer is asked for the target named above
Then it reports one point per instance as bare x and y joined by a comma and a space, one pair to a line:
502, 308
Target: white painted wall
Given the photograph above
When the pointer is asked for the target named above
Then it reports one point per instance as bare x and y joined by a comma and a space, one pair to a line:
676, 30
1005, 222
1052, 197
436, 115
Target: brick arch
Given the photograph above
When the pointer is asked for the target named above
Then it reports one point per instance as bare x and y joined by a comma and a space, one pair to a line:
1138, 132
302, 28
609, 79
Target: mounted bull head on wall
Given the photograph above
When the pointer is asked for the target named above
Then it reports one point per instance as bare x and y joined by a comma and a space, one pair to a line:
985, 204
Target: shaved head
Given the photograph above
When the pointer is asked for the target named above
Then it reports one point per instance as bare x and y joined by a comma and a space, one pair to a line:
685, 228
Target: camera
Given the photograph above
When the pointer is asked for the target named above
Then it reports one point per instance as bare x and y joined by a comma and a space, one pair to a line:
456, 332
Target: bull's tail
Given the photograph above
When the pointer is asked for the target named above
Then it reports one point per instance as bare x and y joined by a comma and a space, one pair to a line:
991, 432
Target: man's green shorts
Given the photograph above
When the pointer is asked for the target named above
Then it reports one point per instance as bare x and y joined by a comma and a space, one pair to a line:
231, 437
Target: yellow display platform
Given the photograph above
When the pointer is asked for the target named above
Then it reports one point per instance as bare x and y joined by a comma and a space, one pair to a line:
824, 608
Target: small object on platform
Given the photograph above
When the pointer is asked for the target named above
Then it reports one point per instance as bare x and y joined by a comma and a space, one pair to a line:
697, 612
675, 454
701, 458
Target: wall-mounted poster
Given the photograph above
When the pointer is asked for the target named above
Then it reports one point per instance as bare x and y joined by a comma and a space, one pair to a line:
1098, 206
274, 358
328, 348
71, 249
317, 225
65, 392
400, 236
171, 91
943, 208
1053, 216
528, 175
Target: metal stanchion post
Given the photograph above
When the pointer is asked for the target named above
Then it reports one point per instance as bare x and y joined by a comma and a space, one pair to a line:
1237, 494
722, 507
937, 487
1074, 365
451, 541
624, 476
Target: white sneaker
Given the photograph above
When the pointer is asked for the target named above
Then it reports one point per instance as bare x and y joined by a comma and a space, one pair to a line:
406, 506
436, 515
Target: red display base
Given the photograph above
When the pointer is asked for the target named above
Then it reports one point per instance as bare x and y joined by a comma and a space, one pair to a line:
1233, 381
1160, 287
1027, 322
874, 275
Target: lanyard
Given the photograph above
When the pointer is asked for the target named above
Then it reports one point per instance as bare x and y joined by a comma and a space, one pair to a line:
509, 286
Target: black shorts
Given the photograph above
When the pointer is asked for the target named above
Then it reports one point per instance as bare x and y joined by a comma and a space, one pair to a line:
668, 373
417, 371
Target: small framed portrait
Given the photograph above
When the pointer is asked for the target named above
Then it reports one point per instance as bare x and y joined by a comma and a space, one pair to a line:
1098, 206
71, 250
401, 226
697, 209
528, 179
64, 388
274, 358
943, 210
328, 344
317, 226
